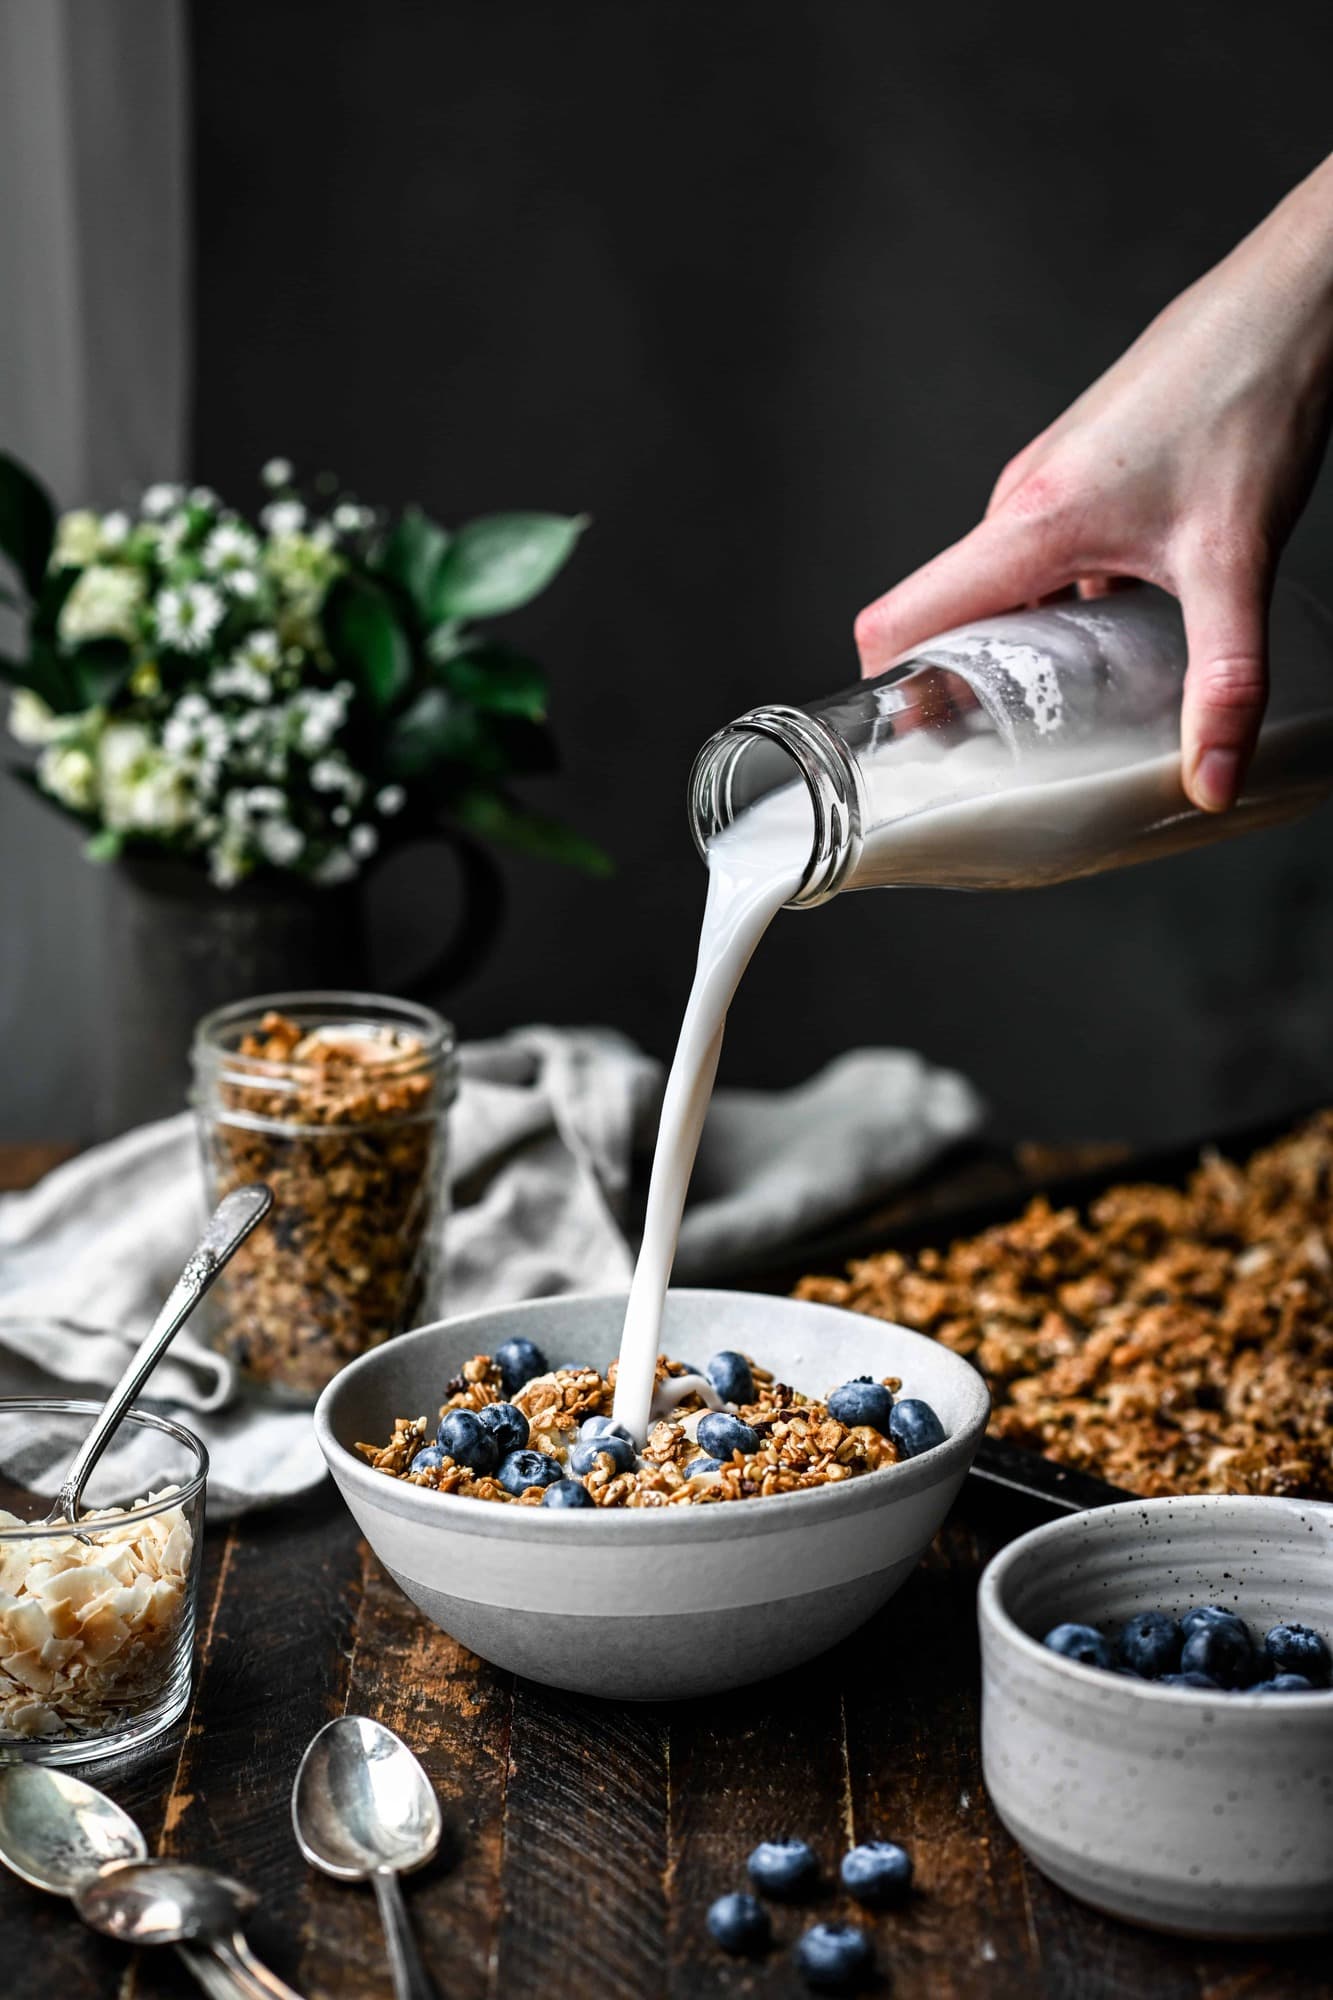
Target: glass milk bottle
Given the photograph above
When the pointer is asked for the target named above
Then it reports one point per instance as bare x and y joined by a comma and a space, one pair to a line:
1027, 748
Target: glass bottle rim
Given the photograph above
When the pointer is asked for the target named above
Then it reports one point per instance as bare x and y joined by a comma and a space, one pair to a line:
819, 757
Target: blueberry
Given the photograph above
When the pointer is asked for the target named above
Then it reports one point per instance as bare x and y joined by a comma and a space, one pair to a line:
784, 1869
1285, 1684
914, 1427
565, 1492
721, 1434
865, 1402
1204, 1614
507, 1425
1222, 1649
619, 1450
467, 1441
704, 1464
1296, 1649
427, 1459
739, 1923
878, 1873
1080, 1642
1193, 1679
518, 1361
834, 1958
594, 1427
730, 1375
528, 1468
1150, 1643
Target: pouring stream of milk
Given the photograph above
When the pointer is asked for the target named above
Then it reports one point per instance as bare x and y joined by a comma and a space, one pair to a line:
962, 817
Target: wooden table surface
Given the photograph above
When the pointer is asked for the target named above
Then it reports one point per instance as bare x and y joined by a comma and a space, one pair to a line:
585, 1841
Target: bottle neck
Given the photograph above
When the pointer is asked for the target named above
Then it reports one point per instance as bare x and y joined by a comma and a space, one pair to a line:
763, 751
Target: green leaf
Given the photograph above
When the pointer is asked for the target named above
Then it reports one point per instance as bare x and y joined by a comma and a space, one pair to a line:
411, 559
420, 737
367, 640
105, 845
495, 816
27, 522
100, 670
49, 674
497, 678
501, 561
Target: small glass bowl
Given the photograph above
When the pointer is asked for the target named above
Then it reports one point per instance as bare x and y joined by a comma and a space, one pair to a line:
96, 1627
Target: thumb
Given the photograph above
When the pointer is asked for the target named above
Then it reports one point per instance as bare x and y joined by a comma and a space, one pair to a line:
1226, 683
999, 565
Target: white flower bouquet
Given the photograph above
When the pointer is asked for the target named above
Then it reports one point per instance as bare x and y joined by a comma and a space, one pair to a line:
292, 693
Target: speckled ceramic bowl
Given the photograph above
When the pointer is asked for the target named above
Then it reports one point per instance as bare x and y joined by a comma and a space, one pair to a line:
655, 1603
1210, 1814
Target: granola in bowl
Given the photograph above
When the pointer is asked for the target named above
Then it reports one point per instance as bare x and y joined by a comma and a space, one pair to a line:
528, 1445
1172, 1340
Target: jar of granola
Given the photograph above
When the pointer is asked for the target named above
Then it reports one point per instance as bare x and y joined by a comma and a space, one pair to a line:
338, 1101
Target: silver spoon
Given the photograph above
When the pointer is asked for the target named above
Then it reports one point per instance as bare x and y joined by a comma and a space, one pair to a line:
363, 1807
57, 1833
174, 1902
231, 1222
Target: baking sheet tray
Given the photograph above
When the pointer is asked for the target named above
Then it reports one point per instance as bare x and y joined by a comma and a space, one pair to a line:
1022, 1483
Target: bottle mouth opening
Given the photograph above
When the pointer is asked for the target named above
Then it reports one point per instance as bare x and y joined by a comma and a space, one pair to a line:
764, 751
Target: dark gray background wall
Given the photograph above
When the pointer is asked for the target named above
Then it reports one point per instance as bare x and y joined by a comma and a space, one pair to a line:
772, 291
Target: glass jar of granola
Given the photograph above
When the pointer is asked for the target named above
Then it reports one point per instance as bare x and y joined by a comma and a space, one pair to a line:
338, 1101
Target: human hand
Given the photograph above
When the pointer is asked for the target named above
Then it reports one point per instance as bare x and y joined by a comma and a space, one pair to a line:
1186, 465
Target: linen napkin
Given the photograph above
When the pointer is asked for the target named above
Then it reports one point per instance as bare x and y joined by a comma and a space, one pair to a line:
543, 1142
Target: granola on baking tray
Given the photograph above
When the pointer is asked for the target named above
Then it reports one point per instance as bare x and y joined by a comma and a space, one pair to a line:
1171, 1340
797, 1443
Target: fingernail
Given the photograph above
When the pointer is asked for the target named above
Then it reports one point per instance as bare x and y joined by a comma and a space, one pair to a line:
1216, 779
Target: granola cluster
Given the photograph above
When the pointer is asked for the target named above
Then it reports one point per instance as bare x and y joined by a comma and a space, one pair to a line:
800, 1444
342, 1125
91, 1624
1173, 1341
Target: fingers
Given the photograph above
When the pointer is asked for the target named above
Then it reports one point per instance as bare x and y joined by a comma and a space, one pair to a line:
1002, 563
1226, 684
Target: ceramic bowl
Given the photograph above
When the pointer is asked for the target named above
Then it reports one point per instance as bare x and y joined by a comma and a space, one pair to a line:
652, 1604
1210, 1814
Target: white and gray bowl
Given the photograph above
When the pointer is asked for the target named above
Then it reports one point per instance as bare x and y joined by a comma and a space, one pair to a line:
1209, 1814
654, 1603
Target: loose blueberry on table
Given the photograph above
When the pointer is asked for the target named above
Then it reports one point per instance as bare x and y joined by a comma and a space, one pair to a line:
783, 1869
878, 1873
740, 1923
834, 1958
731, 1376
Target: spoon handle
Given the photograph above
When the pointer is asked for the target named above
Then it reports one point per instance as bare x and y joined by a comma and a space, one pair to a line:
411, 1981
231, 1222
250, 1978
212, 1973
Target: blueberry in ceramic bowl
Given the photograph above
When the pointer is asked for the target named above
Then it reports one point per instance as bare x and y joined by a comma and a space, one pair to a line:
1175, 1801
656, 1603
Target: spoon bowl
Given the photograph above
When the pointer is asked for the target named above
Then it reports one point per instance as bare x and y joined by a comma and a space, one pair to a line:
57, 1833
162, 1902
362, 1802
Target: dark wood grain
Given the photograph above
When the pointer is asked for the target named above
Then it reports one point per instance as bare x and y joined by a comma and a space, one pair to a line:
585, 1840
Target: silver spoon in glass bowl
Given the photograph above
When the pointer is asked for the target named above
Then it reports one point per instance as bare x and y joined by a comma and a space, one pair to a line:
363, 1807
228, 1226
